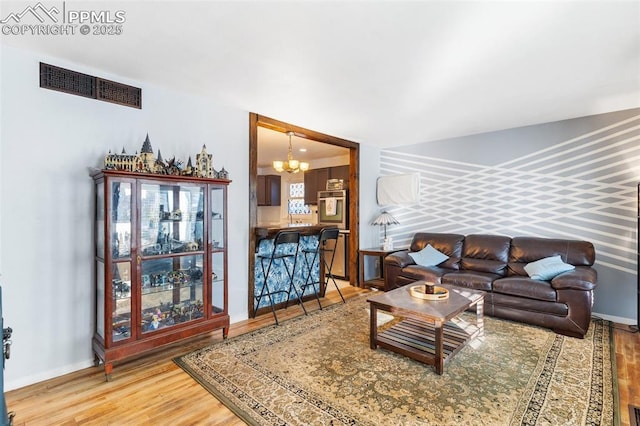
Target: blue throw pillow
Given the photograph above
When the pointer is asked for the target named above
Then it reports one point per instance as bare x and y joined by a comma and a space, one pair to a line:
428, 256
547, 268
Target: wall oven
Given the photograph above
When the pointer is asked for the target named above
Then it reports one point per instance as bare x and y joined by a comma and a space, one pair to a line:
333, 208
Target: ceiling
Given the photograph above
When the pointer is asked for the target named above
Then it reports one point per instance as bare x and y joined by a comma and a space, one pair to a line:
274, 145
385, 73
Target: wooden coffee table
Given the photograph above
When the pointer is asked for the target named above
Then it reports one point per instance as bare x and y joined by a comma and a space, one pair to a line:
429, 331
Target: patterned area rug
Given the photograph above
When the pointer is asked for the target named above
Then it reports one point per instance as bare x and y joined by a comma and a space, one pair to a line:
319, 369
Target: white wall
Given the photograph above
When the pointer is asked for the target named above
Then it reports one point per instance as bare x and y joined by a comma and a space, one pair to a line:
48, 141
369, 172
341, 160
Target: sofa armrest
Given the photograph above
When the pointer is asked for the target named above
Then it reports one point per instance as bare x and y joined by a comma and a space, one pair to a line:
393, 264
581, 278
399, 259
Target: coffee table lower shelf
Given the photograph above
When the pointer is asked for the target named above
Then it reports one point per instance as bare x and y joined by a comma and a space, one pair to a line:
418, 340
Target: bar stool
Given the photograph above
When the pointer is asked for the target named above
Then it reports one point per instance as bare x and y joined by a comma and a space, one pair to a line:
285, 246
320, 254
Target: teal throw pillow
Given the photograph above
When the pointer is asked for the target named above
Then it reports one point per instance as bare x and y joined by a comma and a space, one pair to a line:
547, 268
428, 256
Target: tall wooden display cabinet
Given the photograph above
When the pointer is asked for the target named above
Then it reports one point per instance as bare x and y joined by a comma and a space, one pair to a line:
160, 261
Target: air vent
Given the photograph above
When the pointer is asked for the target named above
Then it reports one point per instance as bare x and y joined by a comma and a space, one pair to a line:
76, 83
119, 93
67, 81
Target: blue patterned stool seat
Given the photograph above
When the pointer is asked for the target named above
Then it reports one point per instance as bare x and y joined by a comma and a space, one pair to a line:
285, 251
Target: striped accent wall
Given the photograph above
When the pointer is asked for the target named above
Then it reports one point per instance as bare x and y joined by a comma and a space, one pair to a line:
582, 187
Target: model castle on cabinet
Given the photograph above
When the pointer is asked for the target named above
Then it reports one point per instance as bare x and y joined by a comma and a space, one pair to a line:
146, 162
204, 163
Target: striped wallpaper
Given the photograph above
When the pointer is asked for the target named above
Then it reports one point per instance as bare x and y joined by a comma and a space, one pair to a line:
583, 187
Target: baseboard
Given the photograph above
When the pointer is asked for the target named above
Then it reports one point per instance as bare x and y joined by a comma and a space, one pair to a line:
612, 318
51, 374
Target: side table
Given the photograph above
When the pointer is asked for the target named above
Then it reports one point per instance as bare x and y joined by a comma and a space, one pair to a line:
380, 253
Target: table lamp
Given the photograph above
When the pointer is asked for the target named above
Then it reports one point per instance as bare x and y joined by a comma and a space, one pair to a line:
384, 219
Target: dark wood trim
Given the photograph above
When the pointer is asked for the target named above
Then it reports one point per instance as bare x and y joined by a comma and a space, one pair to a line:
301, 132
354, 216
255, 121
253, 203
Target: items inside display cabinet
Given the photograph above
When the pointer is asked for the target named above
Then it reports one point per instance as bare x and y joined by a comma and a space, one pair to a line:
121, 219
218, 256
217, 282
217, 219
121, 290
172, 291
172, 219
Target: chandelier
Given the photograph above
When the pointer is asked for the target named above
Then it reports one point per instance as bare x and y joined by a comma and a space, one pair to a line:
291, 165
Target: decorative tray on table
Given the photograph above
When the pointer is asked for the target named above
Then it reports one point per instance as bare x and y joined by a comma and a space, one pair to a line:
419, 292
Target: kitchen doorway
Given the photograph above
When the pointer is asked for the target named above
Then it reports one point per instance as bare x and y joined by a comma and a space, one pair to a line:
256, 121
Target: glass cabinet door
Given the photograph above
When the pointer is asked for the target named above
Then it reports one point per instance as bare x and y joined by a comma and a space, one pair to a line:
218, 251
172, 291
120, 220
171, 243
99, 258
171, 219
120, 249
121, 311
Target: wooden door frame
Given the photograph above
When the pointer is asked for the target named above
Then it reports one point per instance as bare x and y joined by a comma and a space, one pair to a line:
255, 121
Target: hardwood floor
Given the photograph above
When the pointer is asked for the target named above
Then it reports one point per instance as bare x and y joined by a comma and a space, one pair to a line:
153, 390
627, 344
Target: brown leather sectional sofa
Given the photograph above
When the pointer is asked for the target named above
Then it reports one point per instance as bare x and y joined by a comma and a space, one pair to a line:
495, 264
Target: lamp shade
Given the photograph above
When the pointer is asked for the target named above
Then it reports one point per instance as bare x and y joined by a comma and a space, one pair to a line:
385, 218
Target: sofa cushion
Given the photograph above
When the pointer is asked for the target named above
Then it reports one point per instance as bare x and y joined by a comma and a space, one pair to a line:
425, 273
449, 244
526, 306
470, 279
428, 256
529, 249
547, 268
525, 287
486, 253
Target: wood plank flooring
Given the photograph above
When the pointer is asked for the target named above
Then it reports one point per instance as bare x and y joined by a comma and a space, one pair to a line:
627, 342
152, 390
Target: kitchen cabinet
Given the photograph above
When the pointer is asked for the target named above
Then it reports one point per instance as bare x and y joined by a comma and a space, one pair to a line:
160, 261
268, 190
340, 172
316, 180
